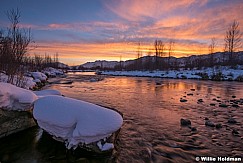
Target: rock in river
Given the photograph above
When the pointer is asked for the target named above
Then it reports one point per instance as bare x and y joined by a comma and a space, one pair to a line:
232, 120
218, 126
185, 122
76, 122
200, 100
183, 100
209, 123
223, 105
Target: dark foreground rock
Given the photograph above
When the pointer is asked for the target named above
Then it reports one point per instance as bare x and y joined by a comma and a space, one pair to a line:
14, 121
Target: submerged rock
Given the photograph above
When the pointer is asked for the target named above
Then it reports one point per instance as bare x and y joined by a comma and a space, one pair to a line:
183, 100
185, 122
193, 129
232, 120
235, 105
218, 125
223, 105
200, 100
209, 123
158, 83
235, 132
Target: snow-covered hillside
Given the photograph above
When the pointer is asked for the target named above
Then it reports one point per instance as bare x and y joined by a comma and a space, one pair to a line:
102, 64
194, 60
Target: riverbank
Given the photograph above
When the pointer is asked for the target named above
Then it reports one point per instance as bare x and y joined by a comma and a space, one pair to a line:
16, 103
217, 74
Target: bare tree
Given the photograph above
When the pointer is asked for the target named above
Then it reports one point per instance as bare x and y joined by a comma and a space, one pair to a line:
232, 39
13, 47
212, 46
171, 47
159, 47
211, 49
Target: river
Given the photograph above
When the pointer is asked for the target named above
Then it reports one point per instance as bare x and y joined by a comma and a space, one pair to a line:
152, 111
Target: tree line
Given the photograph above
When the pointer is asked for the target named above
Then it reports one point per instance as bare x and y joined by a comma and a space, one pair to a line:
163, 54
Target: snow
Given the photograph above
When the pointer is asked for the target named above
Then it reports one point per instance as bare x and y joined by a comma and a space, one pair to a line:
15, 98
52, 72
47, 92
25, 82
105, 147
227, 73
39, 75
75, 121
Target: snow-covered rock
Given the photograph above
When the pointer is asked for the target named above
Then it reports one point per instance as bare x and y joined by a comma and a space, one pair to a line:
76, 122
47, 92
23, 82
52, 72
15, 98
39, 75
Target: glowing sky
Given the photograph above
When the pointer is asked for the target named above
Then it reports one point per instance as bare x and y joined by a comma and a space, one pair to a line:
88, 30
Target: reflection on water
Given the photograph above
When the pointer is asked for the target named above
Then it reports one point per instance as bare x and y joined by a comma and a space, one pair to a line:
151, 131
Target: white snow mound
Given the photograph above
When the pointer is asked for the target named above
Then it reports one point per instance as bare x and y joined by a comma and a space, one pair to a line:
74, 121
39, 75
15, 98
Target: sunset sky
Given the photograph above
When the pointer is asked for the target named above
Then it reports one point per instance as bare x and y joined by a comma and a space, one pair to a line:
89, 30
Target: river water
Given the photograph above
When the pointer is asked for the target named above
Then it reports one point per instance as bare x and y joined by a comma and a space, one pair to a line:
152, 111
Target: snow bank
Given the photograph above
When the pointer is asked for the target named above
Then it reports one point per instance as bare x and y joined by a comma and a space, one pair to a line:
15, 98
39, 75
47, 92
227, 73
74, 121
52, 72
25, 82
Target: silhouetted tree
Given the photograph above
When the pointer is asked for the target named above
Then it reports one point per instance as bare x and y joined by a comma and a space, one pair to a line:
211, 49
13, 47
232, 39
159, 52
171, 47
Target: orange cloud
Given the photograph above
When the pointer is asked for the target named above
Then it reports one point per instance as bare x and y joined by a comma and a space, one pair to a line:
137, 10
190, 23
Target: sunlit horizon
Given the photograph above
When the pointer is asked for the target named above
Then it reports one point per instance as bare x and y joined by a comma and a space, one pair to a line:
83, 31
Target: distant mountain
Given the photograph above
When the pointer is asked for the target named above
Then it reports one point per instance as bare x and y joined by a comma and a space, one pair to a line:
206, 60
62, 65
102, 64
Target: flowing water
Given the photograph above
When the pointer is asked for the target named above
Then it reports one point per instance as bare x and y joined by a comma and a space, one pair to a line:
152, 111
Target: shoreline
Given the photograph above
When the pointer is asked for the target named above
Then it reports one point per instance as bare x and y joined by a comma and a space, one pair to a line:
207, 75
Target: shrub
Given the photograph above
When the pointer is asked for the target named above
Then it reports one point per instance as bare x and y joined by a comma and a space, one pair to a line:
217, 76
239, 78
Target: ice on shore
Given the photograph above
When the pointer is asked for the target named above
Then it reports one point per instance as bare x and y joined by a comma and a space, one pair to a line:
74, 121
15, 98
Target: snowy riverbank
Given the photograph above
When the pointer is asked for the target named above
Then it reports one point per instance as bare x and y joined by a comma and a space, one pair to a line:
73, 122
219, 74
